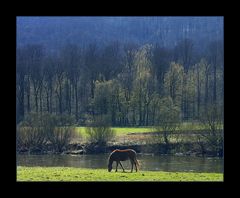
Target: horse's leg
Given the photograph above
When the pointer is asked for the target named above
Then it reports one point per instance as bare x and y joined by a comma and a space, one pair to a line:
121, 166
132, 165
116, 166
135, 164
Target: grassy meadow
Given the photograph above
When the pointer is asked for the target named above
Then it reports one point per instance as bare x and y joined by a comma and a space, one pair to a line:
84, 174
186, 126
136, 134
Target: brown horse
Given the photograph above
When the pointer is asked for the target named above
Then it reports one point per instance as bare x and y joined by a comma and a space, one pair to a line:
123, 155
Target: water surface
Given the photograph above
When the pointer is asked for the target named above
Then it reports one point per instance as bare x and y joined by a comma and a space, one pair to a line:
147, 162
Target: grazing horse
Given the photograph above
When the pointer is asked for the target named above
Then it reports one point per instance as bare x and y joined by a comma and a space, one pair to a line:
123, 155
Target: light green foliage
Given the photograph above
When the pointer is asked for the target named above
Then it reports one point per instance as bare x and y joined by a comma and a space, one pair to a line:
168, 118
144, 84
118, 130
173, 83
100, 135
82, 174
169, 114
102, 96
100, 132
110, 100
186, 126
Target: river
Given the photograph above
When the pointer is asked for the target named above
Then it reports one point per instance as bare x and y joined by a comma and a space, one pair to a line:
147, 162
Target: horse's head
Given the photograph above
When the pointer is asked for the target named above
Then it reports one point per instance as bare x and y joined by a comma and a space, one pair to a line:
109, 167
110, 162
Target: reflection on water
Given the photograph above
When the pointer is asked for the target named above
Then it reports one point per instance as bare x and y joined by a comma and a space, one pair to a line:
147, 162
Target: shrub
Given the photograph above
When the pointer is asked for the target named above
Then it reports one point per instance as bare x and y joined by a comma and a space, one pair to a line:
38, 130
31, 133
100, 135
167, 121
59, 131
100, 132
212, 119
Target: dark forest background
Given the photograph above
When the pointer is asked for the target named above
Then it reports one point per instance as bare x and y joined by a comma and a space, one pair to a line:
127, 70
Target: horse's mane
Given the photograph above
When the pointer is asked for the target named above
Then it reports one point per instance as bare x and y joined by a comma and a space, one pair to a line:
124, 150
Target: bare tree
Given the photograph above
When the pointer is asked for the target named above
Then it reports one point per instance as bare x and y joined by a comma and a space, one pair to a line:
60, 75
215, 57
36, 63
20, 78
213, 122
91, 65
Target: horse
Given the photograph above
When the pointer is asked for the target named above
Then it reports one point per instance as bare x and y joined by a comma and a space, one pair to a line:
123, 155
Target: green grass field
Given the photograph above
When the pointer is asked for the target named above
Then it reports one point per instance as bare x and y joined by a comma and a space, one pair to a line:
120, 131
82, 174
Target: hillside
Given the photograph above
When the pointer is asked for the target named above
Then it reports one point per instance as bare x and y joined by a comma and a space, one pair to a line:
55, 32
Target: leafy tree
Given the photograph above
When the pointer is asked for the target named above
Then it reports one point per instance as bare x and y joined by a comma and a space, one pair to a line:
142, 80
168, 119
173, 83
199, 86
213, 121
100, 132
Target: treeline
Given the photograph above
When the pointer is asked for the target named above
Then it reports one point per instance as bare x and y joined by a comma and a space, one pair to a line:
55, 32
127, 84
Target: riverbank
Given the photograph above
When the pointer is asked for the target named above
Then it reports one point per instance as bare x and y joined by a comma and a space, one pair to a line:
181, 142
179, 149
84, 174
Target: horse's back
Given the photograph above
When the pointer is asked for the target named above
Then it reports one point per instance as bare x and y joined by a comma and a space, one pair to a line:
125, 150
123, 154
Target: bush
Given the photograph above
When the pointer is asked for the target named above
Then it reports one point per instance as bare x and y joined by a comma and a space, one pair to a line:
31, 133
36, 131
100, 135
214, 138
100, 132
60, 132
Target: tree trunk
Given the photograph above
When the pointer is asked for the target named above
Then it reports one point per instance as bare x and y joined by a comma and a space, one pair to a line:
40, 99
184, 103
76, 102
206, 93
28, 95
47, 97
36, 101
50, 100
140, 112
60, 100
214, 83
147, 115
21, 99
198, 93
70, 101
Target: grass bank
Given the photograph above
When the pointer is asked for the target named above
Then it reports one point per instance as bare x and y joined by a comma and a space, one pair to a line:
82, 174
120, 131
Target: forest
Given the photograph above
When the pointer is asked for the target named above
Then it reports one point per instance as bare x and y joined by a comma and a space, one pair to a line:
127, 81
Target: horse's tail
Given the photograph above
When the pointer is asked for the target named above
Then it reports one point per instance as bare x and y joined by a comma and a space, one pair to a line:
137, 164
